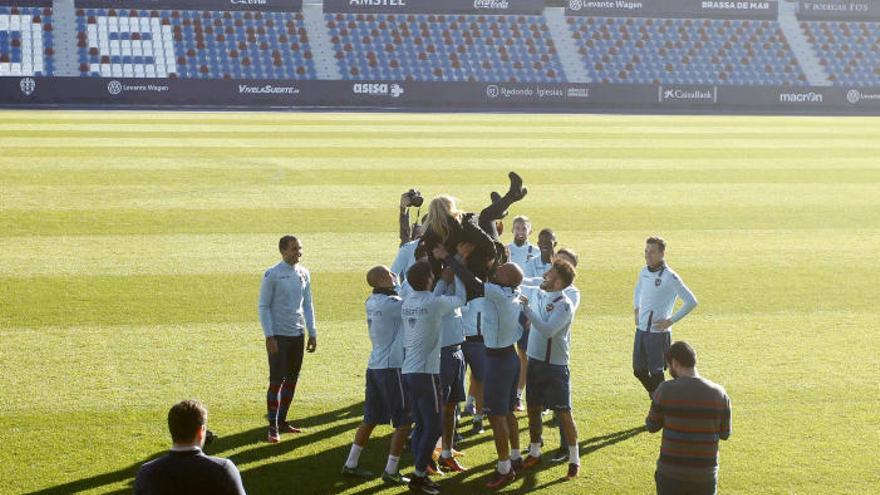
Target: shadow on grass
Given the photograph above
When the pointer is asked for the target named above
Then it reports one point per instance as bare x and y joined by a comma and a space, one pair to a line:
255, 436
318, 471
474, 479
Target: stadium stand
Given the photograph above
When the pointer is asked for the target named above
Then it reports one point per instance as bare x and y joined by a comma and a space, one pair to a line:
633, 50
26, 41
193, 44
849, 51
497, 48
198, 44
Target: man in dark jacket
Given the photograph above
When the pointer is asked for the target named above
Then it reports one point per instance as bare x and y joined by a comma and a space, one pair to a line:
186, 469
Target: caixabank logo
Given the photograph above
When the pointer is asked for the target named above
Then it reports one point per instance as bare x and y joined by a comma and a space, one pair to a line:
688, 94
378, 89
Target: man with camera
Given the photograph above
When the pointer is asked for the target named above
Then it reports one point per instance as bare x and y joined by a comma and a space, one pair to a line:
186, 469
409, 234
286, 311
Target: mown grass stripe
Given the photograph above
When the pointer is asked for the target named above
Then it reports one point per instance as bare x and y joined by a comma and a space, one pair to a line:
383, 221
473, 197
404, 176
165, 299
325, 252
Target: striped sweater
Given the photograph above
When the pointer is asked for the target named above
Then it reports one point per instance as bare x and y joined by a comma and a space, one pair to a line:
694, 414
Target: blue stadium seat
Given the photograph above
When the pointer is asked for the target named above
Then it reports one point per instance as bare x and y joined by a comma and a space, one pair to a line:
429, 47
849, 51
193, 44
26, 41
685, 51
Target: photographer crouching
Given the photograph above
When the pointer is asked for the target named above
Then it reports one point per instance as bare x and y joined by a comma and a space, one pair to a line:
186, 469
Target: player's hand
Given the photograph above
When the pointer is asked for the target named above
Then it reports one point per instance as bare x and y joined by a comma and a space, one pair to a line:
312, 345
524, 300
448, 275
404, 200
271, 345
465, 249
440, 252
662, 324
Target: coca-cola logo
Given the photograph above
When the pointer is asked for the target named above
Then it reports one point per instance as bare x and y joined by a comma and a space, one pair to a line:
492, 4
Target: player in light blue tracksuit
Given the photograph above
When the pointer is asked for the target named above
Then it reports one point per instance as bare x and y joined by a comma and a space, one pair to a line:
286, 312
653, 301
501, 308
422, 314
385, 395
550, 315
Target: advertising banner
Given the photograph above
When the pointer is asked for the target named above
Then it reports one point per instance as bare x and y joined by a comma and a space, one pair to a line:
839, 9
459, 96
743, 9
210, 5
26, 3
487, 7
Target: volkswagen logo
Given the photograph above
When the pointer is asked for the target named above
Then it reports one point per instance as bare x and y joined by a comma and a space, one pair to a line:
853, 96
493, 91
576, 4
114, 87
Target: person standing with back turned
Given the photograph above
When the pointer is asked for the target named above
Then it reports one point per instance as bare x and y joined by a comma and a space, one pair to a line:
694, 414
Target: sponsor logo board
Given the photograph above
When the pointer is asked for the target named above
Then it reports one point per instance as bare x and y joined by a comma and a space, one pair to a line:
115, 88
393, 90
27, 86
860, 97
688, 94
805, 97
267, 89
495, 91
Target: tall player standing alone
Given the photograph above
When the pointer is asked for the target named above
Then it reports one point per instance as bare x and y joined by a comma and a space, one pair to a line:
653, 301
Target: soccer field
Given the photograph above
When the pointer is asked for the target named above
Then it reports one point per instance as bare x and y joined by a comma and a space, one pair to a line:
132, 246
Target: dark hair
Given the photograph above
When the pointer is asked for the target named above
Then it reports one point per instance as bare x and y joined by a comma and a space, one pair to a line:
565, 270
421, 251
547, 232
184, 420
659, 241
418, 275
682, 352
569, 253
285, 241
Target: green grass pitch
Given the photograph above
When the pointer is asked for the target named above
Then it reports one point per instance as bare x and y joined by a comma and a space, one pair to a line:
132, 247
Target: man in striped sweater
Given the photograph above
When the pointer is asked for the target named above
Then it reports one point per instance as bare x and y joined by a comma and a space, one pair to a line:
694, 414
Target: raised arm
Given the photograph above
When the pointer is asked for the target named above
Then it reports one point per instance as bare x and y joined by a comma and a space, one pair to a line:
467, 277
447, 304
405, 229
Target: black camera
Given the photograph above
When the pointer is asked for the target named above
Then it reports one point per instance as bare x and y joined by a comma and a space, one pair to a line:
209, 437
414, 198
